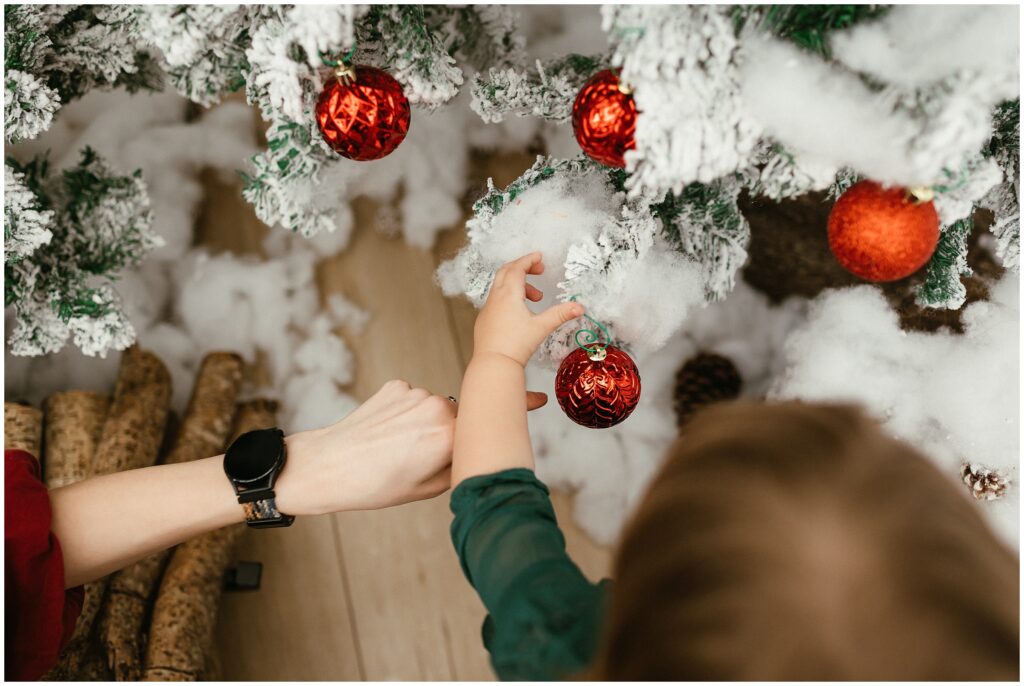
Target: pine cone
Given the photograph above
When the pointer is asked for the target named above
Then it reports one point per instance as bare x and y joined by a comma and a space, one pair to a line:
705, 378
984, 484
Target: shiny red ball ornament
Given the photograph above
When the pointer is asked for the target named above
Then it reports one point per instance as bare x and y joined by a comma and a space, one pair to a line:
363, 113
598, 389
882, 234
604, 119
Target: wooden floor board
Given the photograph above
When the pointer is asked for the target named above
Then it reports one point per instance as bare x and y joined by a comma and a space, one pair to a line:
296, 626
417, 616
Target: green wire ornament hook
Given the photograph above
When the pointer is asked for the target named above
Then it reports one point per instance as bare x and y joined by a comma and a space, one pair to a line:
590, 337
328, 62
343, 69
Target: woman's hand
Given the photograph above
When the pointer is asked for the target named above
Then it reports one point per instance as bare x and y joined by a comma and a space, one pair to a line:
505, 325
394, 449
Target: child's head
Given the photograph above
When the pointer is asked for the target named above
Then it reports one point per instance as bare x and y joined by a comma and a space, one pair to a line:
790, 541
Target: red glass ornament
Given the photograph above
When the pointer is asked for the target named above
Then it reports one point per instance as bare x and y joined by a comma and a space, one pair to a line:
882, 234
604, 119
364, 118
598, 390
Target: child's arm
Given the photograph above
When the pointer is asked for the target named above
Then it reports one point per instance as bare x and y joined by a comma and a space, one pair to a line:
491, 430
544, 615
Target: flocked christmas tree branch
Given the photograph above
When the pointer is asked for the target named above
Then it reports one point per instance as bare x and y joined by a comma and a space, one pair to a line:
56, 53
72, 233
547, 91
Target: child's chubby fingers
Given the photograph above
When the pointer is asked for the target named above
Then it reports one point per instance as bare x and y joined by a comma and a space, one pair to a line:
535, 400
514, 273
556, 315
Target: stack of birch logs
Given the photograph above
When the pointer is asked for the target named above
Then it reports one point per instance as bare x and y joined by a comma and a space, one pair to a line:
154, 620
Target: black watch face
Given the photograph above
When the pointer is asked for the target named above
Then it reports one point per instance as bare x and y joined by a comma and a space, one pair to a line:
253, 455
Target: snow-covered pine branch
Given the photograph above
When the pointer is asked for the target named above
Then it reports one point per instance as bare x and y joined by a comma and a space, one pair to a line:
706, 225
599, 244
98, 224
418, 45
682, 64
27, 225
29, 106
942, 286
283, 188
203, 46
546, 91
1004, 199
481, 36
56, 53
777, 173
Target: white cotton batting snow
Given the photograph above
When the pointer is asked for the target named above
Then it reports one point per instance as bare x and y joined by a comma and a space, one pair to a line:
827, 114
954, 397
269, 310
830, 118
549, 217
916, 45
655, 295
643, 298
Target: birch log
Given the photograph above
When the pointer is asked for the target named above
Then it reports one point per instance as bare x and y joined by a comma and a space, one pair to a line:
203, 433
185, 613
130, 439
73, 424
23, 428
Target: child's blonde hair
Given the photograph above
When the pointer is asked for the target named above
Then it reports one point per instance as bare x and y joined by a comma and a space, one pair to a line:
789, 541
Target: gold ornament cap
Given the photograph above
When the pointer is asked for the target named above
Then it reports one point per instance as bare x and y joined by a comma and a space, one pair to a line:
345, 73
920, 194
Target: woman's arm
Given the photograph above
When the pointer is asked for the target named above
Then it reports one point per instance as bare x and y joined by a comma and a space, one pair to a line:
105, 523
393, 449
491, 432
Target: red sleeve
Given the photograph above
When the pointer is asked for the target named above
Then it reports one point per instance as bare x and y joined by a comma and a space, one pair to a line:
39, 615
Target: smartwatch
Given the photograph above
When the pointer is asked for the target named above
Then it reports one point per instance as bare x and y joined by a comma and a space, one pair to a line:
252, 464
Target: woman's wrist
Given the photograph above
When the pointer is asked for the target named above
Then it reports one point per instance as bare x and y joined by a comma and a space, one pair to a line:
292, 491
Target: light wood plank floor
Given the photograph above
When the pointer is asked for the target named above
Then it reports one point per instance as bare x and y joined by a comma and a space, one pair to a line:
370, 595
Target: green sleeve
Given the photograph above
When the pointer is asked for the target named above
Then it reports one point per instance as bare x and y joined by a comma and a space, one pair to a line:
544, 615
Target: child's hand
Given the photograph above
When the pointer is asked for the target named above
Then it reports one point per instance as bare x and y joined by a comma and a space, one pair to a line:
505, 326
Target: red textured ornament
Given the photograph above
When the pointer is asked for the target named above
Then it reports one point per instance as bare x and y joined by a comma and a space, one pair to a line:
604, 119
882, 234
363, 113
598, 390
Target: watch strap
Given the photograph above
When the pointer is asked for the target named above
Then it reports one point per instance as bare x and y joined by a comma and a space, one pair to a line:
264, 513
